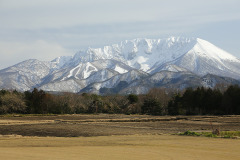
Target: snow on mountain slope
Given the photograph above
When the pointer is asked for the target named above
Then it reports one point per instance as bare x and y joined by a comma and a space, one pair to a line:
176, 80
60, 62
138, 53
166, 79
74, 84
83, 70
168, 67
83, 74
128, 61
174, 53
69, 85
147, 52
210, 81
23, 76
205, 58
33, 67
115, 80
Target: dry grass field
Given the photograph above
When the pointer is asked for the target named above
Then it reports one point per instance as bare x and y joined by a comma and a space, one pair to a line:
132, 147
113, 137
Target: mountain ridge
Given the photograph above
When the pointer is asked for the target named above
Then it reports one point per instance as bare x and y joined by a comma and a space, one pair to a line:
137, 58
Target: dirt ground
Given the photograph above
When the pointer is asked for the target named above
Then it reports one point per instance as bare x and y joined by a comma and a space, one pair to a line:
108, 137
111, 124
128, 147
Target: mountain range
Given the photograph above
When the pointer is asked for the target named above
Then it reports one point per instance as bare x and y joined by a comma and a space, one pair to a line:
131, 66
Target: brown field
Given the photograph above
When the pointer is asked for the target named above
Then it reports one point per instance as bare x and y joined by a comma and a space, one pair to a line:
115, 137
111, 124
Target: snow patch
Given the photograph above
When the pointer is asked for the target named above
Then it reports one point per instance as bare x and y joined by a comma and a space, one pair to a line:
89, 69
120, 70
72, 70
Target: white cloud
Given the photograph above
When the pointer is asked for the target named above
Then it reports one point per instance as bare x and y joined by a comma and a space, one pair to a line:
62, 13
43, 29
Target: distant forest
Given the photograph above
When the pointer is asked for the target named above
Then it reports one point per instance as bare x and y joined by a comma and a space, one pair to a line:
158, 101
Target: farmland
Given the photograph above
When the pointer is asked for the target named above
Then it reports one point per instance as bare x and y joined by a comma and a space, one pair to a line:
106, 136
112, 124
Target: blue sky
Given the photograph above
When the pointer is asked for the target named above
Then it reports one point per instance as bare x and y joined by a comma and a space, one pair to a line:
45, 29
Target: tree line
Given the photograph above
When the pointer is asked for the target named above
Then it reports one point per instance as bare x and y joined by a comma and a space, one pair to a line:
202, 101
157, 101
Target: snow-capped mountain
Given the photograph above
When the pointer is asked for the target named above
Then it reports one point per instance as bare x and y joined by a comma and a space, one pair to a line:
153, 55
134, 64
114, 81
74, 78
175, 80
206, 58
23, 76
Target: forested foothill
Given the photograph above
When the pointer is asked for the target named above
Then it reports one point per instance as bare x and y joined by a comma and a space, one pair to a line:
158, 101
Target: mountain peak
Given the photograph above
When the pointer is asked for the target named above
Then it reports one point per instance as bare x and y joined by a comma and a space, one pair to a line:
130, 62
213, 51
149, 54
